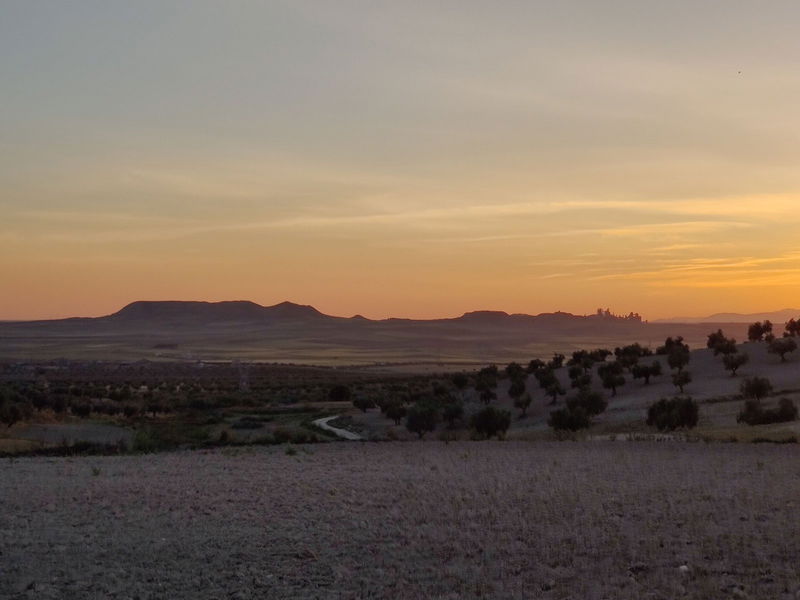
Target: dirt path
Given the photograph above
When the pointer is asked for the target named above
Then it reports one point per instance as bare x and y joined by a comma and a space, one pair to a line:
342, 433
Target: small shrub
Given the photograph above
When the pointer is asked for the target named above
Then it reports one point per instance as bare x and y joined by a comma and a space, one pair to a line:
394, 411
593, 403
756, 387
673, 413
734, 361
755, 414
569, 419
491, 422
363, 403
422, 418
453, 411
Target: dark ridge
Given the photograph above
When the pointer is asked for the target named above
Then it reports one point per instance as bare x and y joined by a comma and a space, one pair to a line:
236, 310
484, 315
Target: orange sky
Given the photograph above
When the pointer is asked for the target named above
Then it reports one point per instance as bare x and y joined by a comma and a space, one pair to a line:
400, 159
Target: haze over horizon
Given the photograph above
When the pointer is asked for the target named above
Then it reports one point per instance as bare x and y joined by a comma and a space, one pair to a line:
407, 160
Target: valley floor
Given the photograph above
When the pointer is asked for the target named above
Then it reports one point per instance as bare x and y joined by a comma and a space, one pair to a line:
407, 520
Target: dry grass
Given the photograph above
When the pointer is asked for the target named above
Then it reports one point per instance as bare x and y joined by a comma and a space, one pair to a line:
407, 520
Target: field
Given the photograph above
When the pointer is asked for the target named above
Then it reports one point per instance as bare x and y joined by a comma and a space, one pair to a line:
498, 520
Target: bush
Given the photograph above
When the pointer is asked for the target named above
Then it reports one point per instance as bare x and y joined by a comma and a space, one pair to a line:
394, 411
782, 347
569, 419
755, 414
673, 413
593, 403
422, 418
733, 361
363, 404
756, 387
452, 412
681, 379
491, 422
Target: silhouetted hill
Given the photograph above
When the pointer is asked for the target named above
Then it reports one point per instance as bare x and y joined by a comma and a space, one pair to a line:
237, 310
289, 332
778, 317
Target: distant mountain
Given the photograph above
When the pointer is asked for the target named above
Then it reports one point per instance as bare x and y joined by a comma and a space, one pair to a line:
778, 317
155, 313
237, 310
288, 332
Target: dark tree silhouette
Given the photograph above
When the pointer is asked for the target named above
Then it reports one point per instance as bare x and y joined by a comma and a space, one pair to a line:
611, 376
536, 365
593, 403
516, 389
487, 395
522, 403
554, 390
394, 410
755, 414
486, 382
681, 379
422, 418
565, 419
628, 356
491, 422
715, 338
759, 331
732, 362
756, 387
782, 347
646, 371
671, 344
582, 360
600, 355
460, 382
678, 358
720, 344
557, 361
793, 327
673, 413
452, 412
363, 403
515, 371
549, 383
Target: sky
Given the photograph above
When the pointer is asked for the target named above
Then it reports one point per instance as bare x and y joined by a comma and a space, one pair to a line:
412, 159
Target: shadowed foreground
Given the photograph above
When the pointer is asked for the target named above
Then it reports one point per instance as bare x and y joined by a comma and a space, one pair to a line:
413, 520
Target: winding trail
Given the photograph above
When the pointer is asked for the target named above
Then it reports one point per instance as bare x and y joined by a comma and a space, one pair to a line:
342, 433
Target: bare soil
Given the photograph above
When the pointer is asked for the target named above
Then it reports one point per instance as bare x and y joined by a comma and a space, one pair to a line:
407, 520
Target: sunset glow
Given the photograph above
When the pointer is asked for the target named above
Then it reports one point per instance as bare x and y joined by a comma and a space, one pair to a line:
400, 159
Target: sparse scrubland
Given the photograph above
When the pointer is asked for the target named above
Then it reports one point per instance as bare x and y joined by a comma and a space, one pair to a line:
214, 489
407, 520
